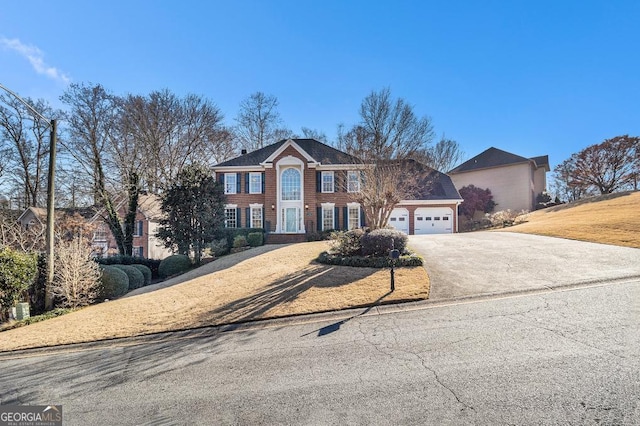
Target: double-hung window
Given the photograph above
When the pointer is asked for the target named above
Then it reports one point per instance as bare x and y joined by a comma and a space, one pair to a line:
327, 182
353, 181
256, 216
255, 183
327, 216
353, 211
138, 229
230, 183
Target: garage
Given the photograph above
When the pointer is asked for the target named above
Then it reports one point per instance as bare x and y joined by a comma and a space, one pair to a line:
433, 220
399, 219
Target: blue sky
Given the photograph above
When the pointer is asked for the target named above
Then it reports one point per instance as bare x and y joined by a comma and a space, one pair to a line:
530, 77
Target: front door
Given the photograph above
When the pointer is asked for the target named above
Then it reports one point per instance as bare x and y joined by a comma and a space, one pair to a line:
291, 219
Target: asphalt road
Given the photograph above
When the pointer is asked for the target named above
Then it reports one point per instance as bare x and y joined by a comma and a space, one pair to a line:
481, 263
556, 357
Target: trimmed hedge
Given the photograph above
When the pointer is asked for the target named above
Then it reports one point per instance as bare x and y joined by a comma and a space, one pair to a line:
240, 241
380, 241
136, 279
175, 264
255, 239
114, 283
369, 262
231, 233
146, 272
152, 264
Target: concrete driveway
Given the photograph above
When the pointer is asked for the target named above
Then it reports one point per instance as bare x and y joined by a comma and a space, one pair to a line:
483, 263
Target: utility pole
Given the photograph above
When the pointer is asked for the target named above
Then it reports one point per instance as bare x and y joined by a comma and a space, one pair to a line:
48, 303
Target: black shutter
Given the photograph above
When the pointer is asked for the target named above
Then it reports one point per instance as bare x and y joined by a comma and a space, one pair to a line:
247, 214
318, 181
263, 192
246, 183
262, 224
319, 216
345, 217
238, 183
221, 179
362, 216
336, 218
238, 217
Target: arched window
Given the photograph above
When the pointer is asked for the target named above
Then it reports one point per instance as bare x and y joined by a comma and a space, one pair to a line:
290, 183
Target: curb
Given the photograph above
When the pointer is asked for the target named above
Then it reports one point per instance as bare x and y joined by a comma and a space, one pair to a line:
381, 308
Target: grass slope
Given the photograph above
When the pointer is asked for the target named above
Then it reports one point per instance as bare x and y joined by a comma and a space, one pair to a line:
609, 219
265, 282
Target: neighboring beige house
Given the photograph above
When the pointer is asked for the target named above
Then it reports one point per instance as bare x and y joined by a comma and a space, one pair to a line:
513, 180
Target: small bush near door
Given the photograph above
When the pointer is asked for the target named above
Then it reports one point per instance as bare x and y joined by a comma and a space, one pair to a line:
255, 239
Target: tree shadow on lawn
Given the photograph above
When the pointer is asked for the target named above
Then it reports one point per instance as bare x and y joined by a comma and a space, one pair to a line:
286, 289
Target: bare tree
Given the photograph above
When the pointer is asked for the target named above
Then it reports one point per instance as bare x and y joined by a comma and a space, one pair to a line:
28, 137
258, 122
315, 134
172, 132
388, 135
389, 129
77, 275
443, 156
384, 184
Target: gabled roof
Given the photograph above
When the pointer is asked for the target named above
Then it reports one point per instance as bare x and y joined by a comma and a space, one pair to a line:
41, 213
320, 152
494, 157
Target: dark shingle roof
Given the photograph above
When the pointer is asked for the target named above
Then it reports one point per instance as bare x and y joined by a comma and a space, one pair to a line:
494, 157
320, 152
435, 185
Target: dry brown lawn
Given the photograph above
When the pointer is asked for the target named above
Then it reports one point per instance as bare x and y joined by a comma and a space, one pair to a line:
612, 219
264, 282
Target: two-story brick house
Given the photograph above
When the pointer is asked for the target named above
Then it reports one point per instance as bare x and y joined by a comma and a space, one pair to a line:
297, 186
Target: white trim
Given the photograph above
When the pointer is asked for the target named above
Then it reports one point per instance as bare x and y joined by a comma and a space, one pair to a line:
311, 162
357, 180
327, 207
230, 206
327, 167
256, 206
427, 202
297, 164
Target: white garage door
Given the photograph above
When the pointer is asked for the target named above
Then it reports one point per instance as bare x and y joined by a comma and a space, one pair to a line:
399, 219
433, 220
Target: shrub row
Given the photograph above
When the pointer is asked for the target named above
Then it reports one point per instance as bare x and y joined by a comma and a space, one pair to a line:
230, 234
152, 264
369, 262
173, 265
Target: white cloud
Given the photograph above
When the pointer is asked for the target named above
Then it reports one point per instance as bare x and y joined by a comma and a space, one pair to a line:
35, 57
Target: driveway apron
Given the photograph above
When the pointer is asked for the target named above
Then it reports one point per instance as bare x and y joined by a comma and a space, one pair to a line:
483, 263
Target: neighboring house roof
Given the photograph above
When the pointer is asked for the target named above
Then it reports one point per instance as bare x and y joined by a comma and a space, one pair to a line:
41, 213
320, 152
148, 204
494, 157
